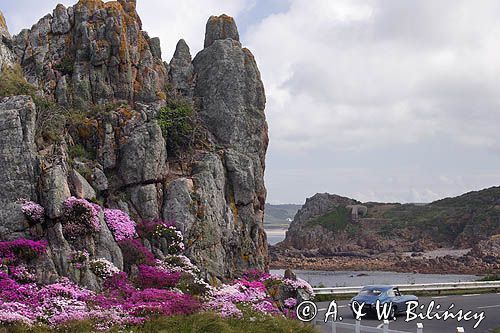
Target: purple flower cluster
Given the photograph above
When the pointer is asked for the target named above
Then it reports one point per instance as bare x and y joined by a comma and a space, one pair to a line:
165, 230
253, 291
53, 304
81, 217
79, 258
21, 274
64, 301
135, 253
290, 302
157, 277
21, 250
150, 229
103, 268
166, 287
122, 226
33, 211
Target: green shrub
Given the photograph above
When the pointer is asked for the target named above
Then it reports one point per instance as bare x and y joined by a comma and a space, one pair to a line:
79, 151
177, 124
65, 66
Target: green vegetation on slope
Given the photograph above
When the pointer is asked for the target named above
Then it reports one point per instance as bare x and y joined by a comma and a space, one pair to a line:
50, 118
13, 83
484, 198
198, 323
460, 221
177, 124
336, 220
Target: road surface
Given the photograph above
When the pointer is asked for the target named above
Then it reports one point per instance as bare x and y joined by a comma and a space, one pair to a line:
487, 303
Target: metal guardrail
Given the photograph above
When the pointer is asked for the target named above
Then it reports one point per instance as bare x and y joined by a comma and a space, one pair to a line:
383, 328
358, 328
416, 287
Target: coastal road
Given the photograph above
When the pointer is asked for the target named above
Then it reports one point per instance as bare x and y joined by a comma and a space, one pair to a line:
487, 303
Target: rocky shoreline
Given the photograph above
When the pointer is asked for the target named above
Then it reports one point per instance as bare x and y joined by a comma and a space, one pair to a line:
478, 261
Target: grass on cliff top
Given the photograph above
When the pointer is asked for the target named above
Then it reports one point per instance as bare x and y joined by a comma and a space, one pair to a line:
198, 323
335, 220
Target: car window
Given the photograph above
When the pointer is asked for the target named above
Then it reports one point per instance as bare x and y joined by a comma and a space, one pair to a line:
391, 293
370, 292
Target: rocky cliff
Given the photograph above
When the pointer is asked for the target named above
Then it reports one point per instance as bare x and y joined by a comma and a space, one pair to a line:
332, 224
103, 118
6, 55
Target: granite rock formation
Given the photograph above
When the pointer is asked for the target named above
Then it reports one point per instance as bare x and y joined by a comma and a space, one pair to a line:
94, 67
6, 55
333, 225
305, 235
18, 177
93, 52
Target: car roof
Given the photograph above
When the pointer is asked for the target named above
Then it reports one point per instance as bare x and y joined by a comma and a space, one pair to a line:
379, 287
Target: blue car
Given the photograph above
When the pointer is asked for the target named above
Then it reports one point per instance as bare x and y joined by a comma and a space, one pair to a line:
369, 295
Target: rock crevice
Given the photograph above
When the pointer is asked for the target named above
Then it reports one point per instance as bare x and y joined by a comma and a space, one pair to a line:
94, 62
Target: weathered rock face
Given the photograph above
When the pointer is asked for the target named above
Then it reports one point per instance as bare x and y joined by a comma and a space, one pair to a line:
220, 27
232, 100
305, 235
488, 250
19, 167
181, 72
94, 54
330, 224
6, 55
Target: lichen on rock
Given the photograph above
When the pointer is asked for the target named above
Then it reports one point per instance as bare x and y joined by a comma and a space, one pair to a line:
102, 89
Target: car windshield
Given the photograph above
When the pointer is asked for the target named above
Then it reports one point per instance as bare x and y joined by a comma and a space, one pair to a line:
370, 292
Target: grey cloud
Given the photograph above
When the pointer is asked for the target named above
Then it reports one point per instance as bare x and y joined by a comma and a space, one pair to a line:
393, 80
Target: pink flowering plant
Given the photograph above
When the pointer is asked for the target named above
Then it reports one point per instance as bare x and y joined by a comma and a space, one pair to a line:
79, 258
157, 277
258, 291
103, 268
33, 211
21, 250
120, 224
81, 217
166, 230
169, 286
135, 253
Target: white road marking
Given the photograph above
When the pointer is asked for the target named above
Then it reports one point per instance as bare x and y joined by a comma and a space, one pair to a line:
488, 307
436, 297
340, 306
382, 324
471, 295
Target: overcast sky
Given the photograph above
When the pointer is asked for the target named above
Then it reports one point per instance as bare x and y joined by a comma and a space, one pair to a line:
383, 100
